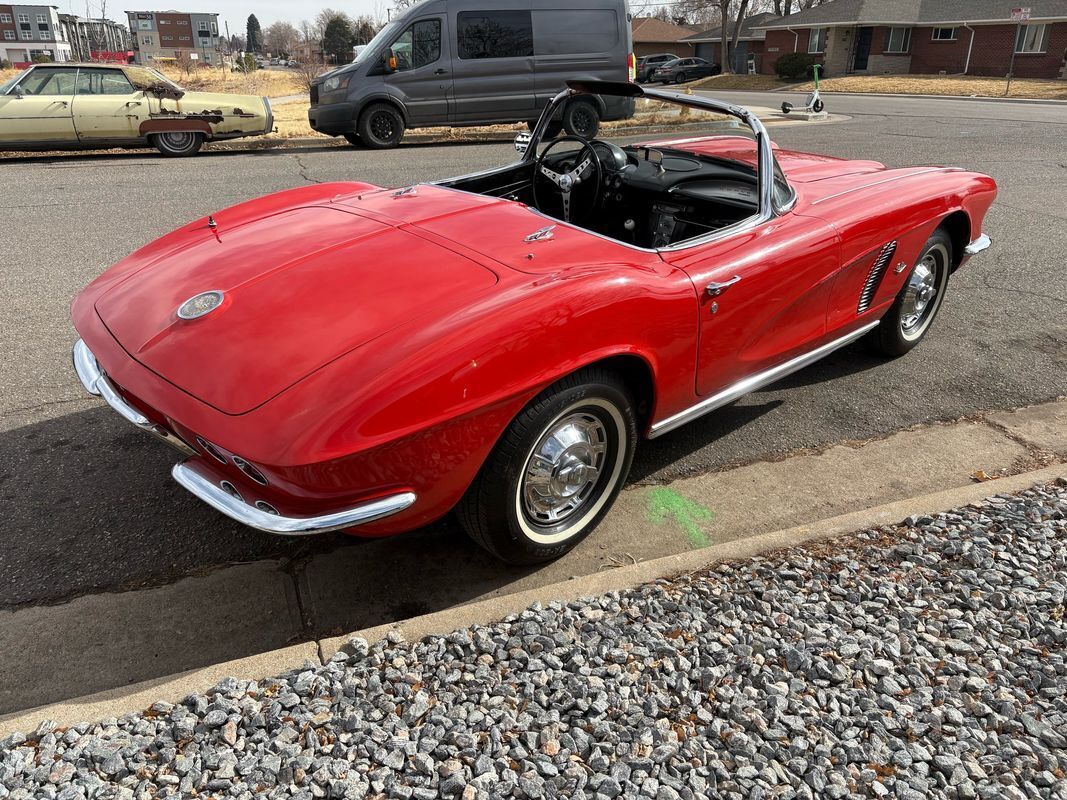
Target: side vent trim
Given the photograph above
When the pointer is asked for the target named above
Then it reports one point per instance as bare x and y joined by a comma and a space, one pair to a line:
874, 277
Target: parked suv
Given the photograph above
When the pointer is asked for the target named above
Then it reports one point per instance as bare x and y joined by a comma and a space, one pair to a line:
468, 62
646, 64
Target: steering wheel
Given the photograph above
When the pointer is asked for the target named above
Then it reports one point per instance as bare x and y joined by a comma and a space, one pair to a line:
586, 165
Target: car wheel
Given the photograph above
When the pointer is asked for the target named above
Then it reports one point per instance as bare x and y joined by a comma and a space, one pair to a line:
913, 312
680, 78
556, 470
581, 119
175, 144
353, 139
381, 126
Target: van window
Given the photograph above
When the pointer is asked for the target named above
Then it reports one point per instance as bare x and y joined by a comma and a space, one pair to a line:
419, 45
494, 34
566, 32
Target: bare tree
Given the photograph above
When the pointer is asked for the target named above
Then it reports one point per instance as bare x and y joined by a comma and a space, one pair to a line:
280, 37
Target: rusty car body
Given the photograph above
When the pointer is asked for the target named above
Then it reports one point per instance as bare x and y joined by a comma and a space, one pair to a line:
92, 106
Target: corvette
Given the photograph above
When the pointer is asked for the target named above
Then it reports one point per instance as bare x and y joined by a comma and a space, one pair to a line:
350, 357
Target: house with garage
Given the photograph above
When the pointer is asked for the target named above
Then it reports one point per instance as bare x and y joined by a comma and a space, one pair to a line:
652, 35
925, 37
748, 54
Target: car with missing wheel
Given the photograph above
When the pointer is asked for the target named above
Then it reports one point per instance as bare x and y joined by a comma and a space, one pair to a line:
346, 356
71, 106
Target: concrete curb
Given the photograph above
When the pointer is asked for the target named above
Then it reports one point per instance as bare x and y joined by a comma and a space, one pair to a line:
137, 697
979, 98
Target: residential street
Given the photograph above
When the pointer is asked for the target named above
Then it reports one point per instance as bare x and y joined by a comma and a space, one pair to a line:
90, 503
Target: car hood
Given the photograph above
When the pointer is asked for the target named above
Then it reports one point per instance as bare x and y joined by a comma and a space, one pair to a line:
300, 287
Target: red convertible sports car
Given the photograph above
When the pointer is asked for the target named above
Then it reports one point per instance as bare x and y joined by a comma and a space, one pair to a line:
345, 356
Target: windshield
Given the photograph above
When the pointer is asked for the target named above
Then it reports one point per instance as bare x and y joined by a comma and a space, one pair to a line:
384, 35
6, 85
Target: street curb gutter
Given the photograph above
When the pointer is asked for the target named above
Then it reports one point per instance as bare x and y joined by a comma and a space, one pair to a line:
139, 696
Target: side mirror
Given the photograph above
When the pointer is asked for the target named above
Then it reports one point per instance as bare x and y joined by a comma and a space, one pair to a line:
15, 90
389, 60
522, 141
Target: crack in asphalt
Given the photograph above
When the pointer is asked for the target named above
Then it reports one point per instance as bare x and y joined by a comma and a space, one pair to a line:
303, 168
25, 409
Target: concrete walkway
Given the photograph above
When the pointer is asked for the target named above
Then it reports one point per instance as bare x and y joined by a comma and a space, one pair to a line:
98, 642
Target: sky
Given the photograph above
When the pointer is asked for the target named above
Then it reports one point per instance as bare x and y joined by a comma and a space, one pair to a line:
235, 12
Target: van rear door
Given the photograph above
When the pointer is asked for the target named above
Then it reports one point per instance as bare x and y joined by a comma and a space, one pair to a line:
493, 67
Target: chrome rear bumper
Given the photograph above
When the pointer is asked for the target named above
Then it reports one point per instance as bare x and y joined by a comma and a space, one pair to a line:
252, 514
238, 509
978, 245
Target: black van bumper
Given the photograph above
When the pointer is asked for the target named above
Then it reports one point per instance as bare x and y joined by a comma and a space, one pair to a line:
333, 119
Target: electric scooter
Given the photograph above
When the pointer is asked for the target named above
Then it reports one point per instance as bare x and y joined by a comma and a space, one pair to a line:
814, 104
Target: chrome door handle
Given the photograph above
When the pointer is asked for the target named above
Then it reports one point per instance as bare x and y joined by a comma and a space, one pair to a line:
715, 289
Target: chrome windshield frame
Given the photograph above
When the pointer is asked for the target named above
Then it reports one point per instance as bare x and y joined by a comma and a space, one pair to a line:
765, 162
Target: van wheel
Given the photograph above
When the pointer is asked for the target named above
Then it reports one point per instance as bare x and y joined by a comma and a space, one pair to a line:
175, 144
380, 126
353, 139
581, 119
555, 471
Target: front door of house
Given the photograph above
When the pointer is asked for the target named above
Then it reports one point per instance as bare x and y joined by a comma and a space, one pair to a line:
863, 49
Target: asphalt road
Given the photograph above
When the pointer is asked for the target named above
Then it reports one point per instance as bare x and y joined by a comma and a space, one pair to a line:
87, 502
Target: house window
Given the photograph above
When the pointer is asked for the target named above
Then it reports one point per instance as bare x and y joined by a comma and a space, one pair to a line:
201, 26
183, 22
214, 27
944, 34
898, 40
5, 18
817, 40
144, 24
146, 40
24, 18
41, 19
9, 35
27, 35
185, 38
164, 22
1031, 39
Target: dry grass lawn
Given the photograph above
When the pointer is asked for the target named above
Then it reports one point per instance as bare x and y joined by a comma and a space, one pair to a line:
268, 82
955, 86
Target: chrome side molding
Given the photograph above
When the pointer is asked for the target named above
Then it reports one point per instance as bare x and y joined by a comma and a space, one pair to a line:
754, 382
256, 517
978, 245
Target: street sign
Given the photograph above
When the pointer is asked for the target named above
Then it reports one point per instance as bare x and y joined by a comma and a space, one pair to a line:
1020, 14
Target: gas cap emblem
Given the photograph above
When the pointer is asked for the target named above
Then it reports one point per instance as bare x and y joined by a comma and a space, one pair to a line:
200, 304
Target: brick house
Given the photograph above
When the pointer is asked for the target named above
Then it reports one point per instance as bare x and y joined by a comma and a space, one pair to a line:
924, 37
652, 35
749, 53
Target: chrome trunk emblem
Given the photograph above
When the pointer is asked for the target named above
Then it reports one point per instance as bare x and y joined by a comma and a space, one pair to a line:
541, 234
200, 304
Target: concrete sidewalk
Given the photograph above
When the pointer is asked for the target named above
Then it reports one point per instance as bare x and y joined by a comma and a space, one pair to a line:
99, 642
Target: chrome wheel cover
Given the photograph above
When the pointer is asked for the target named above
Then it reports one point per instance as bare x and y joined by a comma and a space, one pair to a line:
179, 140
922, 293
564, 467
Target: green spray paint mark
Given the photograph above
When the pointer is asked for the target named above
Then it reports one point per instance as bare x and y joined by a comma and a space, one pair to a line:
666, 503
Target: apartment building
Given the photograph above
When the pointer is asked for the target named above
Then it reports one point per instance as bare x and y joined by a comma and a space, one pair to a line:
29, 33
174, 34
96, 39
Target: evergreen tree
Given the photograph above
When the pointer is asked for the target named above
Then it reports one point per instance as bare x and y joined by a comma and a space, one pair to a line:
253, 38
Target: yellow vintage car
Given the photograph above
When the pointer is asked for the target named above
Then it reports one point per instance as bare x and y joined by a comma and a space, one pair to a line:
86, 106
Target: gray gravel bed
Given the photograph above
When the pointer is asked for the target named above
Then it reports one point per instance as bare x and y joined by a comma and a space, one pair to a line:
925, 661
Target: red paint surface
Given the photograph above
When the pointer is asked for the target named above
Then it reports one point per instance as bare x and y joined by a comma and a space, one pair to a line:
371, 343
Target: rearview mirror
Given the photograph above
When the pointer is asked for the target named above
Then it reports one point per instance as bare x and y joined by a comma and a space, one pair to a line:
389, 60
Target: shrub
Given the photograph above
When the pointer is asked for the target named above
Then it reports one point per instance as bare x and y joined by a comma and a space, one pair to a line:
41, 58
5, 64
794, 65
